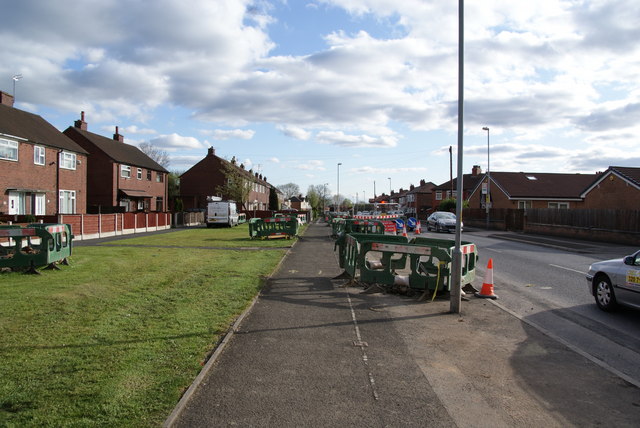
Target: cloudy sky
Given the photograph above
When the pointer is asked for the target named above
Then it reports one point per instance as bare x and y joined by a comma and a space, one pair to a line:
294, 87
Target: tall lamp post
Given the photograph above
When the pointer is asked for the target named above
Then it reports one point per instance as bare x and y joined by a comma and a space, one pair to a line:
15, 78
324, 196
389, 178
488, 196
338, 189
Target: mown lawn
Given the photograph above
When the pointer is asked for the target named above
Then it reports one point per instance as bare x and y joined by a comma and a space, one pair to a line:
116, 338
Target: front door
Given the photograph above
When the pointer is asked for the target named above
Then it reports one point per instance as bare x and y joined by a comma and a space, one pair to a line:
16, 203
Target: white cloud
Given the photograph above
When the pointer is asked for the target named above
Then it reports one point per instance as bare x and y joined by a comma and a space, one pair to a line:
174, 142
295, 132
228, 134
341, 139
310, 165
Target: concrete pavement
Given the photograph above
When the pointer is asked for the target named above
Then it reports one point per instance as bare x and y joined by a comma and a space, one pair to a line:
311, 352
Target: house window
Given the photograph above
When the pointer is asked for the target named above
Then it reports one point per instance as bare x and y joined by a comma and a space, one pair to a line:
559, 205
139, 174
438, 195
38, 155
8, 149
67, 202
523, 205
148, 175
159, 177
159, 203
67, 161
125, 171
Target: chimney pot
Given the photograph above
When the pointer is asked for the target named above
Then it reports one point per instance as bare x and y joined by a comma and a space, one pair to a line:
81, 124
117, 136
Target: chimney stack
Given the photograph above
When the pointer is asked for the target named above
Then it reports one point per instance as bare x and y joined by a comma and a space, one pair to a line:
81, 124
118, 137
476, 170
211, 151
6, 99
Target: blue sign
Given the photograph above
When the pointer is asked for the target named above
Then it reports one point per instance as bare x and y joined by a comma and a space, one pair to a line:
399, 224
412, 222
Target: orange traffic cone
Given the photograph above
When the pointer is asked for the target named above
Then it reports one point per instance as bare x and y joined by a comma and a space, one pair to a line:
404, 231
418, 228
487, 286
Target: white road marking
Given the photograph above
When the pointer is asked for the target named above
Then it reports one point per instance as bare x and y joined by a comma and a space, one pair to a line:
566, 268
491, 249
365, 359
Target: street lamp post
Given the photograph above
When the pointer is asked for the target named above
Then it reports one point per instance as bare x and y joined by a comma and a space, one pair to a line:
324, 196
389, 178
338, 188
488, 196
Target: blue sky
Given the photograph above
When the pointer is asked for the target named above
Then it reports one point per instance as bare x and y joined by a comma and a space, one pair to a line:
294, 87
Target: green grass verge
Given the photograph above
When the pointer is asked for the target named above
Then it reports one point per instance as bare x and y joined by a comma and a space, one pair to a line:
116, 338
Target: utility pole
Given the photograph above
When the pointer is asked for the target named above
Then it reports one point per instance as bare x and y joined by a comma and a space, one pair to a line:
456, 265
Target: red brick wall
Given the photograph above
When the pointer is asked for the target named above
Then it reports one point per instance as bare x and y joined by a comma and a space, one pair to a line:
24, 174
201, 181
614, 193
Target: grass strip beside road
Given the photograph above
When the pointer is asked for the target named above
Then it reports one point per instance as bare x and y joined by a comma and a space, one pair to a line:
116, 338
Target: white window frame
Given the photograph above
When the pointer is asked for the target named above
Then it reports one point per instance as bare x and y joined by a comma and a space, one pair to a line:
159, 177
67, 201
39, 204
438, 195
558, 205
67, 161
139, 174
523, 205
7, 147
125, 171
39, 155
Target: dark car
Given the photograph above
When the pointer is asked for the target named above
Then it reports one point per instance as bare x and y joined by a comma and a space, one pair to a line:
616, 281
442, 221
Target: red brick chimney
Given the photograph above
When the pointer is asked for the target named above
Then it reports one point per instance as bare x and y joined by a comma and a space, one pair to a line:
81, 124
6, 99
476, 170
118, 137
211, 152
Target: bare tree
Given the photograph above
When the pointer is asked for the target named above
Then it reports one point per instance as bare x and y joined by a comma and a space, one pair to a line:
289, 190
155, 153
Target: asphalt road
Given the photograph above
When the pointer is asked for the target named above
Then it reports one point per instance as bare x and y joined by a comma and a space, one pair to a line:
543, 282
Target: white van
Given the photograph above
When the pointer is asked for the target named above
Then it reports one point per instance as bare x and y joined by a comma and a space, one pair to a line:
222, 213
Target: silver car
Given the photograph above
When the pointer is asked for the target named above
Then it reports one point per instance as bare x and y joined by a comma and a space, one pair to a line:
616, 281
442, 221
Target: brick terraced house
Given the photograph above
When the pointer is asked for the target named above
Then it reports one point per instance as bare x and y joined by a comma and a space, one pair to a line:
42, 171
120, 177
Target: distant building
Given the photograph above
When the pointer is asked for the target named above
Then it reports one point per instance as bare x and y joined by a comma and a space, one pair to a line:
43, 171
522, 190
207, 176
120, 177
449, 188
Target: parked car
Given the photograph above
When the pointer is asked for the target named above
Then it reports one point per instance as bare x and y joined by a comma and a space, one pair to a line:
442, 221
614, 282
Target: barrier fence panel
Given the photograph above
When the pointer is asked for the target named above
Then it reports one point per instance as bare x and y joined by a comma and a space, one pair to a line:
273, 227
34, 245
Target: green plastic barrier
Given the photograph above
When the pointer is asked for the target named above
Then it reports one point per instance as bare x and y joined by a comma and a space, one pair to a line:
354, 259
469, 259
355, 226
273, 227
35, 245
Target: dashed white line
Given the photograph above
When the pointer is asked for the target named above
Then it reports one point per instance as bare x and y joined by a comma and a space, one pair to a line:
365, 359
566, 268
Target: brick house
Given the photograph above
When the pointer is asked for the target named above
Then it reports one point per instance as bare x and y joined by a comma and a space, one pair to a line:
521, 190
42, 171
420, 199
204, 178
120, 176
616, 188
449, 188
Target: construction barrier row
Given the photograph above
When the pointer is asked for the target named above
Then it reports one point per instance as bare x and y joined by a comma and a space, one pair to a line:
35, 245
397, 263
273, 227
